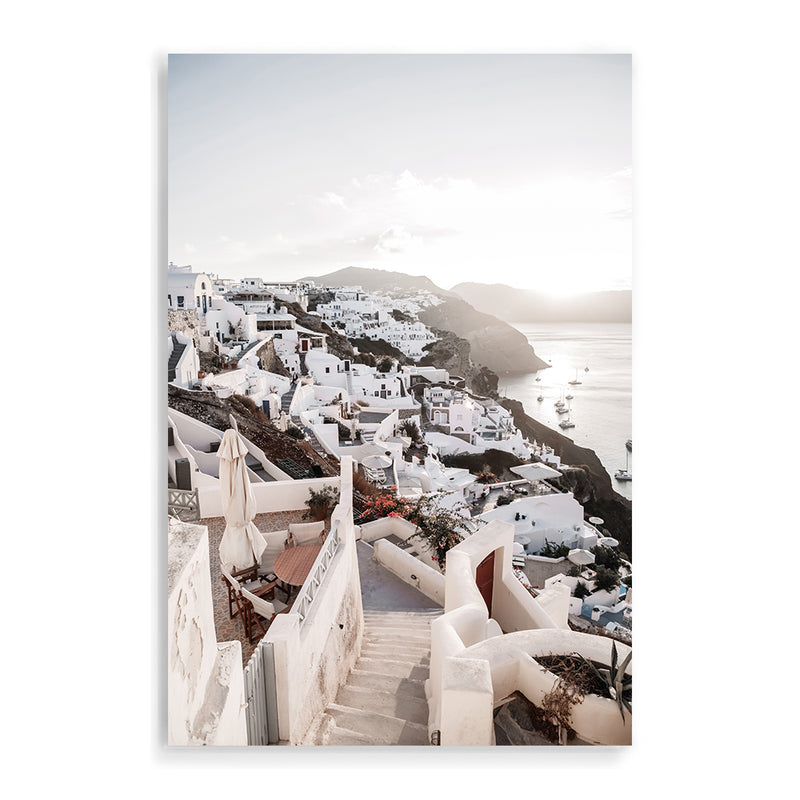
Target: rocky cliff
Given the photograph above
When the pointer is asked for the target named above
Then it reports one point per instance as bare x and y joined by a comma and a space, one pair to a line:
454, 354
494, 343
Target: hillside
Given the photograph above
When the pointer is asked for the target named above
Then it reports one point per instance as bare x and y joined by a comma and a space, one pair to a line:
521, 305
493, 343
253, 424
378, 280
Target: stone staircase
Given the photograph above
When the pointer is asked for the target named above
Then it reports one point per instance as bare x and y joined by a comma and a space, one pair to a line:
286, 399
383, 701
174, 358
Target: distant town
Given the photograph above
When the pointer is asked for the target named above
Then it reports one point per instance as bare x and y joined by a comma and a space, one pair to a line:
412, 560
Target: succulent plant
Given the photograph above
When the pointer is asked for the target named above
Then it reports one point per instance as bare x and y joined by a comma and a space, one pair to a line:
620, 686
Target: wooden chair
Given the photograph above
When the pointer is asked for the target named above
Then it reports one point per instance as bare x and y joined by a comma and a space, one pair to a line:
276, 543
238, 580
260, 611
306, 533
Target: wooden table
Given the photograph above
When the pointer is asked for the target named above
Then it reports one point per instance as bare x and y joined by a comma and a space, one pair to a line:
293, 565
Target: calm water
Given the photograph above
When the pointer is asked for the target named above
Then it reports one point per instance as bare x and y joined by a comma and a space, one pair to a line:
601, 404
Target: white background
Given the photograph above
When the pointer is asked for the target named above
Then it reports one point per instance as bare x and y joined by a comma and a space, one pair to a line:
715, 219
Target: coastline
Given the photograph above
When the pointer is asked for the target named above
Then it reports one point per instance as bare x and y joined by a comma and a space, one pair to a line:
595, 492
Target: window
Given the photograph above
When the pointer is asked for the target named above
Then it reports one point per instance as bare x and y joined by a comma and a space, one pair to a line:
180, 301
169, 299
198, 302
327, 369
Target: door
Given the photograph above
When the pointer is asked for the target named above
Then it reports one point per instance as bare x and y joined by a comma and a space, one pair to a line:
484, 577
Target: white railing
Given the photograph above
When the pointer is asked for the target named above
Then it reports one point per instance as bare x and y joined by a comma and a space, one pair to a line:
302, 605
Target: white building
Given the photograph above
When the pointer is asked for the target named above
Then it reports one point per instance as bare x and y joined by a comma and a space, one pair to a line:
187, 290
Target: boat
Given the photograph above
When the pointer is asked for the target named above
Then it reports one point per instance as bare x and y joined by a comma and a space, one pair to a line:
587, 369
570, 396
576, 382
540, 397
629, 445
624, 474
565, 423
538, 378
562, 410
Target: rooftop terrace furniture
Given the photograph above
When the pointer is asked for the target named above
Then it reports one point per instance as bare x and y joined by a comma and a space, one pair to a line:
258, 611
241, 579
276, 542
301, 533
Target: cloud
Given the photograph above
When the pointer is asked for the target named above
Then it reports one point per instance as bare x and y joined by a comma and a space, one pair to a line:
333, 199
396, 239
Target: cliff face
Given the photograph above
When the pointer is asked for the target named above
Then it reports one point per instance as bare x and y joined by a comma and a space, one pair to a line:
270, 360
494, 343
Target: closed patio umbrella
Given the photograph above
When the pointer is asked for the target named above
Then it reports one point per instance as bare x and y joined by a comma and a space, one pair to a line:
242, 543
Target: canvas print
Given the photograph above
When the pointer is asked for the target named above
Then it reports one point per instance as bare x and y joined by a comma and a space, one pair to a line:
398, 400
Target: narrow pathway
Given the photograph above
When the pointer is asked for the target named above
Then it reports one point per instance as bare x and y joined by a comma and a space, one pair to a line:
383, 701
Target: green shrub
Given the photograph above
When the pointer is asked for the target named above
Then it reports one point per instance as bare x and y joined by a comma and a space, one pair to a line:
503, 500
295, 432
581, 590
552, 550
606, 579
321, 502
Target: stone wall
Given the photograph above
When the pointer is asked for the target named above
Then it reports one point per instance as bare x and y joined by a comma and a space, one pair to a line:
270, 360
186, 322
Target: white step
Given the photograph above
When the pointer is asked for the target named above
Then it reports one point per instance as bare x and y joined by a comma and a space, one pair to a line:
400, 706
399, 669
391, 653
342, 737
386, 683
380, 728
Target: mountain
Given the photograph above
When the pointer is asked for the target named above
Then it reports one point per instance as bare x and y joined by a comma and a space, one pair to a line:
522, 305
378, 280
494, 343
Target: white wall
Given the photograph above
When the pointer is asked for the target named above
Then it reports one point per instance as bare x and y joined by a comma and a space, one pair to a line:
205, 685
411, 570
312, 661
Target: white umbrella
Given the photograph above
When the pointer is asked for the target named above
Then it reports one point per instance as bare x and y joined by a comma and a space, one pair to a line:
242, 543
580, 557
608, 541
377, 462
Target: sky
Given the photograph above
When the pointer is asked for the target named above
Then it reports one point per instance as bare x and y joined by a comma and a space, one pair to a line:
508, 169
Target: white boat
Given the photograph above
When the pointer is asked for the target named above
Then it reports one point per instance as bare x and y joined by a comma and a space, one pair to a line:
538, 378
565, 423
576, 382
624, 474
540, 398
570, 396
629, 445
562, 410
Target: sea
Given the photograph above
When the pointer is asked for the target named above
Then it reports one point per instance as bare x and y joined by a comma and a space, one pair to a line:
599, 356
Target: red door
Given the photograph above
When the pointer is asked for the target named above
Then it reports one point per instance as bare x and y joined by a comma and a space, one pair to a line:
484, 577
